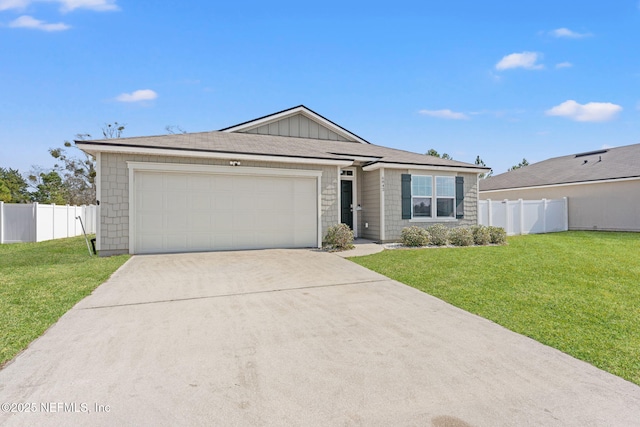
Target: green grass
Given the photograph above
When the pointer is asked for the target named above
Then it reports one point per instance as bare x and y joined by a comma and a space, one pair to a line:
39, 282
576, 291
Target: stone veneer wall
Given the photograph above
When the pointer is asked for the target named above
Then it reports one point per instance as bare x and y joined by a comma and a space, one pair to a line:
393, 203
114, 193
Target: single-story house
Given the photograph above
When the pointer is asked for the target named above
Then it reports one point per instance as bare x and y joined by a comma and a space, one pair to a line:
279, 181
602, 187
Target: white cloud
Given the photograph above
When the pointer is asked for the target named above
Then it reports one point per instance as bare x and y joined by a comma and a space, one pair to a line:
444, 114
137, 96
97, 5
565, 64
65, 5
568, 34
26, 21
590, 112
526, 60
14, 4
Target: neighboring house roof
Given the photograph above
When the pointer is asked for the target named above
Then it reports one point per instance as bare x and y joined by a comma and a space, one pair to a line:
599, 165
276, 147
261, 124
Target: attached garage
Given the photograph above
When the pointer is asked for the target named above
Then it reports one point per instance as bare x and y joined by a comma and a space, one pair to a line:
188, 208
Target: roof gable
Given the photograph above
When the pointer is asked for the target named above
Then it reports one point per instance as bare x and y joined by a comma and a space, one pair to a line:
299, 122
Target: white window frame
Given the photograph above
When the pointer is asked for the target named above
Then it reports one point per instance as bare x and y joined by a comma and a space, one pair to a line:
434, 201
413, 196
453, 198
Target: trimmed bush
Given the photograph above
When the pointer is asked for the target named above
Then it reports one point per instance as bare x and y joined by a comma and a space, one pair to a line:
339, 238
498, 235
461, 236
414, 236
481, 235
438, 234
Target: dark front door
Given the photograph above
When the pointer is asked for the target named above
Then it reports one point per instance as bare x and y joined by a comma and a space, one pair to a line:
346, 203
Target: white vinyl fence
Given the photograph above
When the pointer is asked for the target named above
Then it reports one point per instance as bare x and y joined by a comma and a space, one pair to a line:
35, 222
525, 216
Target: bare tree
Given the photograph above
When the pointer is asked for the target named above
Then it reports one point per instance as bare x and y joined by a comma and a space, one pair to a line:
174, 129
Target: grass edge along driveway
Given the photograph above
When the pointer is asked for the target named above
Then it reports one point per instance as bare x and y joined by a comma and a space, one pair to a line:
39, 282
575, 291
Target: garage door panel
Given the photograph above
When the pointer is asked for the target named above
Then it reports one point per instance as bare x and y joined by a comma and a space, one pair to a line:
200, 182
151, 200
178, 212
176, 242
176, 182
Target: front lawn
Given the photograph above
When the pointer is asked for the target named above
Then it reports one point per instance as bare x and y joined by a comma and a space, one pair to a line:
576, 291
39, 282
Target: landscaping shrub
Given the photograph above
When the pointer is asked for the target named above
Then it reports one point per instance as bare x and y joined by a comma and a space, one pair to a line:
414, 236
339, 238
481, 235
498, 235
438, 234
461, 236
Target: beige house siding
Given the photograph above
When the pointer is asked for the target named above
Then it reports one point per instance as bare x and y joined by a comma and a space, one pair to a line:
114, 194
296, 126
393, 202
612, 206
370, 213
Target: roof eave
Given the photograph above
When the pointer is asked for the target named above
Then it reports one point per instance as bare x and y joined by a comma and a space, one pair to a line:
563, 184
94, 147
423, 166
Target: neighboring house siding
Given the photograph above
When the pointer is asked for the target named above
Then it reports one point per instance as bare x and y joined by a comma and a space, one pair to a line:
114, 197
370, 213
296, 126
612, 206
393, 202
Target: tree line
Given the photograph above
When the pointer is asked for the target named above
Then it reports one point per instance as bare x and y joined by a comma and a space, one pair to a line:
70, 181
479, 162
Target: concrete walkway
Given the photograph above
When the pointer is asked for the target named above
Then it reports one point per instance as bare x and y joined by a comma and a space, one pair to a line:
362, 247
295, 338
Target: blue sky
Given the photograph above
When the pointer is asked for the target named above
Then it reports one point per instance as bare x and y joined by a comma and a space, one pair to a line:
503, 80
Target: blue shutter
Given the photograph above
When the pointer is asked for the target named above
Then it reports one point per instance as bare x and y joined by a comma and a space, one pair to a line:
459, 197
406, 196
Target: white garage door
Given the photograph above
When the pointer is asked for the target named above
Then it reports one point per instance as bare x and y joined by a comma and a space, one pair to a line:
183, 212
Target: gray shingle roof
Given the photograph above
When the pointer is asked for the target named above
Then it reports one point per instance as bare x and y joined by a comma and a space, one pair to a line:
241, 143
611, 163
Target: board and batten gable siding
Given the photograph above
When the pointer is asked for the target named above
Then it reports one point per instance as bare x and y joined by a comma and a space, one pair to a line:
608, 206
296, 126
370, 212
393, 202
114, 193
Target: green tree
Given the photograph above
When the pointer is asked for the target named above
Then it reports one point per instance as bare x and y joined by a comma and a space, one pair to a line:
13, 187
522, 164
79, 173
434, 153
49, 188
480, 162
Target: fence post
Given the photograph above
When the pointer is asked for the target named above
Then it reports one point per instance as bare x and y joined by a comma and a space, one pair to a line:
1, 222
489, 213
53, 220
544, 215
521, 202
507, 217
35, 207
566, 213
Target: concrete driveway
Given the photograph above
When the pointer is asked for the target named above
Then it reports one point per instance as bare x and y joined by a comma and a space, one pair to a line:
293, 337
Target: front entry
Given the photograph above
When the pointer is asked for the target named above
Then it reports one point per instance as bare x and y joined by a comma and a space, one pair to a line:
346, 203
